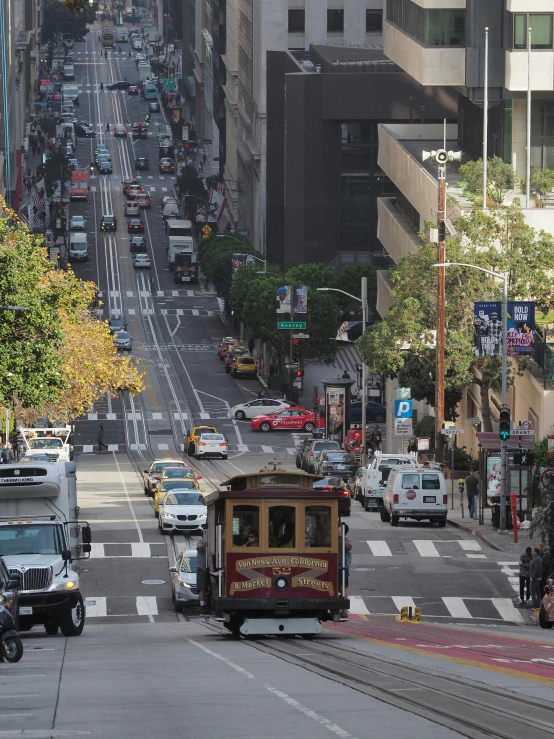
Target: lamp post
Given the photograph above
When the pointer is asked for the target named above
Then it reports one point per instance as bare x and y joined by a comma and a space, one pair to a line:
503, 442
363, 301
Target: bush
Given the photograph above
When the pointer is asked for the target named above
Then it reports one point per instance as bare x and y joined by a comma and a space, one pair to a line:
500, 178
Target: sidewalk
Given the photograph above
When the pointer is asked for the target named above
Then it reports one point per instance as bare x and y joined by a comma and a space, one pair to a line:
491, 537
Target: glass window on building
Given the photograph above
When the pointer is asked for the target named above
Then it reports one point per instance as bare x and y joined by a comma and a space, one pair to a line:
541, 30
374, 21
335, 21
446, 27
297, 21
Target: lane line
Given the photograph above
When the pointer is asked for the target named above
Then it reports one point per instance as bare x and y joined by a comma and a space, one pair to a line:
129, 501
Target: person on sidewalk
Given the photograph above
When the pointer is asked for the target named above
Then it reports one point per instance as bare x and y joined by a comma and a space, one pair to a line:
472, 490
535, 578
545, 566
100, 438
251, 345
524, 562
375, 439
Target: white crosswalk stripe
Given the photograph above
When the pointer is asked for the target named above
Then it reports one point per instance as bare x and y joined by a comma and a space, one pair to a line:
357, 605
511, 570
380, 548
135, 550
429, 548
426, 548
457, 607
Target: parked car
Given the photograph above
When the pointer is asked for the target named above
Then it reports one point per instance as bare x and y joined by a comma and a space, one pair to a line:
77, 223
337, 484
376, 412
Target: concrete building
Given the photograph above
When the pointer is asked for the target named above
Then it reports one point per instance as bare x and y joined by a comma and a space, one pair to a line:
231, 41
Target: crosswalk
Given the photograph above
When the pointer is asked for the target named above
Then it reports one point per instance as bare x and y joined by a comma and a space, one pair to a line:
233, 448
185, 293
511, 570
136, 550
105, 313
442, 609
427, 548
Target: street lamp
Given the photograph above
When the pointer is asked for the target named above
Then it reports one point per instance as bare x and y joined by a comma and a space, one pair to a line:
363, 301
503, 445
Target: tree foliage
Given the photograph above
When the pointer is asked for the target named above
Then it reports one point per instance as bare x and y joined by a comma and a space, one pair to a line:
66, 18
542, 183
191, 187
215, 256
500, 178
55, 357
349, 280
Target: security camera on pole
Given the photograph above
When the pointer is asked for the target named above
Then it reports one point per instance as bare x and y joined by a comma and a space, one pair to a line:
441, 156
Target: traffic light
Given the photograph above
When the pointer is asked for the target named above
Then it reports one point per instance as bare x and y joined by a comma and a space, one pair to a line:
295, 353
505, 424
524, 458
299, 373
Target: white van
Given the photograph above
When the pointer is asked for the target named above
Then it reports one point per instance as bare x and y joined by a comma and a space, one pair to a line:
68, 72
78, 248
415, 492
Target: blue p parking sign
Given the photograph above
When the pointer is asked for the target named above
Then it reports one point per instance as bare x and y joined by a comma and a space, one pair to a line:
402, 408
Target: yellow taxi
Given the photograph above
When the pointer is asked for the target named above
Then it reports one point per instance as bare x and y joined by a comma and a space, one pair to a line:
194, 435
244, 365
167, 486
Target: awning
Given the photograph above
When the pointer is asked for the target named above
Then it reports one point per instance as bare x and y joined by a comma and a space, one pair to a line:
490, 441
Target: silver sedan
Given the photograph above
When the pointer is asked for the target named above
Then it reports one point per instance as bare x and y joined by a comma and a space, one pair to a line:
77, 223
141, 260
183, 580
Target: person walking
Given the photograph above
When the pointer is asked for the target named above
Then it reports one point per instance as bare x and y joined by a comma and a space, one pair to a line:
472, 490
375, 439
345, 375
107, 127
100, 438
202, 581
251, 345
524, 584
535, 578
7, 453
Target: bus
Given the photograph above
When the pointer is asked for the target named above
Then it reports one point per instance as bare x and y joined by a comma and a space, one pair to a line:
150, 91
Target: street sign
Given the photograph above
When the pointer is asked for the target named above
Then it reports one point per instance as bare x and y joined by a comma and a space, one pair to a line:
185, 134
522, 432
291, 324
206, 230
292, 365
473, 421
403, 393
423, 445
453, 430
403, 409
168, 84
403, 427
301, 336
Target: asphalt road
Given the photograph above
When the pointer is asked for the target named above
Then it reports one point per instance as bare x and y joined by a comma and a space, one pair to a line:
138, 666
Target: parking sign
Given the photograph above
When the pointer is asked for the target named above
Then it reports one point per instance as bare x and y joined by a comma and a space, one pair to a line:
403, 409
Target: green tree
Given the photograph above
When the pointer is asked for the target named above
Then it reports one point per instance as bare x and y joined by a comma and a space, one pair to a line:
191, 187
500, 178
68, 18
215, 256
542, 183
55, 165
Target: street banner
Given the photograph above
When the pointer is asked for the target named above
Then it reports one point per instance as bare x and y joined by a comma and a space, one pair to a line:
216, 206
201, 214
300, 293
284, 299
237, 261
349, 331
521, 325
487, 328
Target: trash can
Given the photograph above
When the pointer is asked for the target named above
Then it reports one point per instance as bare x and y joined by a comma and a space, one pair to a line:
495, 511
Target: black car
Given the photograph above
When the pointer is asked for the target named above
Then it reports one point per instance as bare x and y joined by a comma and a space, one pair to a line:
119, 85
154, 107
141, 163
108, 223
338, 464
138, 244
83, 131
335, 483
105, 167
117, 324
135, 226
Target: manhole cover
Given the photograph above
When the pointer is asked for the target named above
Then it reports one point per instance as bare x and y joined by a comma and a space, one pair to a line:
152, 582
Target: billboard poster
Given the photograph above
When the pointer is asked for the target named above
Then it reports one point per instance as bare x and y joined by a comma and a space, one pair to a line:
284, 304
300, 298
237, 261
521, 325
335, 416
487, 328
493, 476
349, 331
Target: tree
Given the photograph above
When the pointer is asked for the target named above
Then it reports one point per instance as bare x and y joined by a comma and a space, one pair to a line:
54, 167
542, 183
191, 187
500, 178
403, 346
349, 279
215, 256
58, 17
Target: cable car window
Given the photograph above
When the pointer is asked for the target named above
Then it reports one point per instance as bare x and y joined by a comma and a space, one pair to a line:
318, 526
282, 527
410, 482
279, 480
246, 525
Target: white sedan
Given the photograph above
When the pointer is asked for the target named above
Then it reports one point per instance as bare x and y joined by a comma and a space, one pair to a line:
213, 445
259, 407
182, 510
141, 260
77, 223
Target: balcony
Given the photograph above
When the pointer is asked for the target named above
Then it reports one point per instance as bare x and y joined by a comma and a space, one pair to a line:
394, 231
542, 70
437, 65
530, 6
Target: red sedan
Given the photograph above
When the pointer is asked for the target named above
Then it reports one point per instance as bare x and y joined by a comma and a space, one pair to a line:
293, 419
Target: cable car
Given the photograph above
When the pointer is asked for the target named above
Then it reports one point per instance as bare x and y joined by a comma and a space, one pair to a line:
273, 554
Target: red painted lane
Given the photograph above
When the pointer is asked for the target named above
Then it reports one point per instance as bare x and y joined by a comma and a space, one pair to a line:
534, 659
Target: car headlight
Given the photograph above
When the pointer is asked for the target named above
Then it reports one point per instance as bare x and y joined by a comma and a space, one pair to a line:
167, 515
203, 515
184, 585
67, 585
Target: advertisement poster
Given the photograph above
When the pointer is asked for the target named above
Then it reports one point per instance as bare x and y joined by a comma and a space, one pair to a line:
349, 331
300, 298
487, 329
335, 416
284, 299
493, 476
521, 324
237, 261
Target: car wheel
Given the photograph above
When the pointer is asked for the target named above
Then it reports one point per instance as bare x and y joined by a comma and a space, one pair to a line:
51, 628
265, 426
190, 450
346, 513
442, 523
157, 514
385, 515
298, 465
379, 418
72, 621
543, 623
309, 427
394, 520
223, 456
241, 415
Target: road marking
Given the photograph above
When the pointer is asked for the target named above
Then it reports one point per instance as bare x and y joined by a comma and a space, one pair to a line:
88, 448
164, 189
136, 415
147, 605
195, 312
357, 605
129, 502
157, 416
111, 416
92, 416
141, 550
130, 294
137, 447
426, 548
476, 556
457, 607
506, 609
180, 416
96, 607
97, 551
291, 450
470, 546
163, 447
403, 600
379, 548
267, 449
204, 416
131, 311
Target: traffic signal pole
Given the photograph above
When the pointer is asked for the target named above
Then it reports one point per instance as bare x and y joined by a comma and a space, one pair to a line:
503, 441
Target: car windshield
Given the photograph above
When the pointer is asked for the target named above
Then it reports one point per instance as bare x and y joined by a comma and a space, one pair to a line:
45, 443
188, 563
178, 474
212, 437
123, 335
199, 430
30, 539
345, 458
108, 219
160, 466
179, 498
168, 485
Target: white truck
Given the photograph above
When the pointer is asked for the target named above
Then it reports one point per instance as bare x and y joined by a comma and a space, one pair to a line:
41, 537
371, 481
55, 443
144, 71
180, 241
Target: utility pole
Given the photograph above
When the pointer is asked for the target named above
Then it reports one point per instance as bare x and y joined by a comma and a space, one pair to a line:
364, 376
441, 329
485, 118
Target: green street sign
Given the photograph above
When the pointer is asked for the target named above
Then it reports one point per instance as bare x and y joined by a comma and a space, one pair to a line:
168, 84
291, 324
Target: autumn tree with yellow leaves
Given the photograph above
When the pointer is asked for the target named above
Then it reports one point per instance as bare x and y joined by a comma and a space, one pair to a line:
56, 357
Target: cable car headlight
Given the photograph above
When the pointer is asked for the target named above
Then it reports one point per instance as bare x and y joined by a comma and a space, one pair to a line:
281, 583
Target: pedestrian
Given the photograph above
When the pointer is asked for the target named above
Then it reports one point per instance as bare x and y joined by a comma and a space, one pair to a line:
375, 439
535, 578
107, 127
202, 581
412, 446
261, 395
100, 438
545, 557
345, 375
346, 564
524, 584
7, 453
251, 345
472, 490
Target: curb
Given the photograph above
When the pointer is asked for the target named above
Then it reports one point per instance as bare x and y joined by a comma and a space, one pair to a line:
474, 532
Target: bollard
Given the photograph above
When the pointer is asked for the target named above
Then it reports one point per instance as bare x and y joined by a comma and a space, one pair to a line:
404, 613
417, 617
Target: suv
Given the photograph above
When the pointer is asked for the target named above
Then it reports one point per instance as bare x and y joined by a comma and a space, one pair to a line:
132, 209
315, 447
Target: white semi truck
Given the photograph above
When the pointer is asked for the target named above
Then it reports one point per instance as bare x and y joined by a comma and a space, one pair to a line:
41, 539
55, 443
